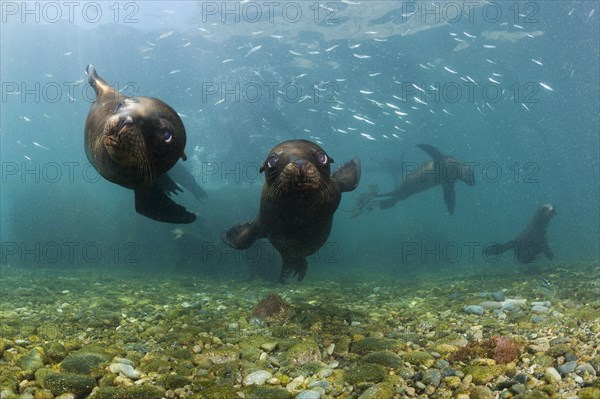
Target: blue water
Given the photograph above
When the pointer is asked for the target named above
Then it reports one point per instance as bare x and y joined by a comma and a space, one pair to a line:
512, 87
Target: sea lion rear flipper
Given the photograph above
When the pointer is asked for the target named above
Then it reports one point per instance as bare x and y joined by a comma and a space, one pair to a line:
449, 196
157, 205
295, 265
183, 176
432, 152
347, 176
497, 249
242, 235
100, 86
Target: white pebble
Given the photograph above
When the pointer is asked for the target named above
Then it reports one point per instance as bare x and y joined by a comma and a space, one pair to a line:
257, 378
125, 369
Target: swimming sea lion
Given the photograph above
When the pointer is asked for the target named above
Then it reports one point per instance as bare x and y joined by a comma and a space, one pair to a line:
297, 203
133, 142
442, 169
532, 241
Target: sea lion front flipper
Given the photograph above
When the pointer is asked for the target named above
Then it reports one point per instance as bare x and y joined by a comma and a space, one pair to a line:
449, 196
347, 176
547, 251
157, 205
497, 249
296, 265
183, 176
242, 235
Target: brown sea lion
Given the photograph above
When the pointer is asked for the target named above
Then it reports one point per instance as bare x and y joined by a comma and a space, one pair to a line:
133, 142
297, 204
532, 241
442, 169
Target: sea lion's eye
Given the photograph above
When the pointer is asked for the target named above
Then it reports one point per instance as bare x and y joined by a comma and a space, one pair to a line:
118, 107
166, 136
272, 160
322, 157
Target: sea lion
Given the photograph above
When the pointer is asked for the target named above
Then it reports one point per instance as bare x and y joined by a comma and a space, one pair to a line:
133, 142
297, 203
532, 241
442, 169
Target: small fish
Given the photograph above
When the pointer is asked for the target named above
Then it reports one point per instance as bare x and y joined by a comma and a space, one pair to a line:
353, 46
468, 35
49, 75
257, 32
377, 39
26, 119
525, 106
253, 50
375, 74
417, 99
367, 136
294, 52
39, 145
392, 106
342, 131
446, 112
493, 81
361, 56
67, 53
370, 32
518, 26
496, 74
27, 158
186, 44
537, 62
490, 61
418, 88
366, 92
423, 66
571, 12
181, 115
400, 113
277, 37
174, 71
300, 76
545, 86
489, 46
449, 70
227, 60
220, 101
164, 35
331, 48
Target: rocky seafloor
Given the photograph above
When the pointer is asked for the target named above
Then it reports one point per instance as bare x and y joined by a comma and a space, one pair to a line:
126, 335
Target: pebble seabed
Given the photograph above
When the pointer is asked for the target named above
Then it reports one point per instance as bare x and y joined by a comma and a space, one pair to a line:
84, 334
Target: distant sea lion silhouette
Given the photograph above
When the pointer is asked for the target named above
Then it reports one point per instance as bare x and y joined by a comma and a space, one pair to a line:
297, 203
133, 142
532, 241
442, 169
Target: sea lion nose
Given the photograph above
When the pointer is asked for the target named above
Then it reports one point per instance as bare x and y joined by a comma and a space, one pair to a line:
300, 163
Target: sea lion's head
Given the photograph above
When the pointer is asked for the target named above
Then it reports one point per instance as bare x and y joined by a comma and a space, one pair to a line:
546, 212
297, 167
145, 135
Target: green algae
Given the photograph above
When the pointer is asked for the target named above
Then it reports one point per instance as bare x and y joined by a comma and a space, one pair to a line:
387, 359
133, 392
367, 372
78, 385
374, 344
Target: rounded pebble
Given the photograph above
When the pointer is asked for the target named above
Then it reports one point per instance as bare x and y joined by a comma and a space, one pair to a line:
473, 309
552, 376
257, 378
567, 368
308, 394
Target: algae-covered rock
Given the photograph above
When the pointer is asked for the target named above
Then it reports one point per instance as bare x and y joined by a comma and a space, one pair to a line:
365, 373
43, 394
589, 393
419, 358
224, 391
480, 392
484, 374
55, 351
174, 381
257, 392
374, 344
533, 394
304, 352
387, 359
82, 363
33, 360
132, 392
78, 385
383, 390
